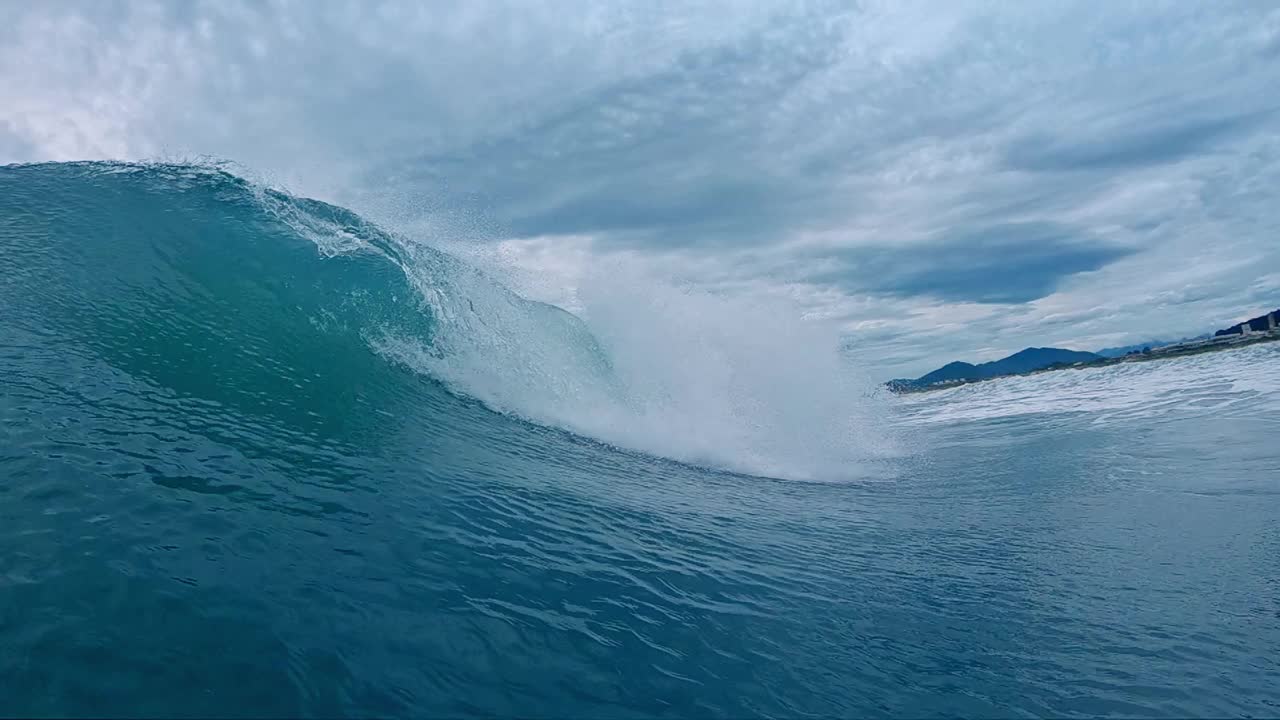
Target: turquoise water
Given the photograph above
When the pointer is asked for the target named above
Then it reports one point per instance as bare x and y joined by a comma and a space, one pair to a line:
251, 464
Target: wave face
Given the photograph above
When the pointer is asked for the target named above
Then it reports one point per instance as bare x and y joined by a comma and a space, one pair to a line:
260, 458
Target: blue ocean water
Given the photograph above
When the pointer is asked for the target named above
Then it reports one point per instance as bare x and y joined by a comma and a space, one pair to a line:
252, 465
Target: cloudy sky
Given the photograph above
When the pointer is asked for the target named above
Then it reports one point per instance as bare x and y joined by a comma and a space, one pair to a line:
943, 179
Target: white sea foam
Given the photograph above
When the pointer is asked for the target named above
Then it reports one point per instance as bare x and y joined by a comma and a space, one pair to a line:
722, 381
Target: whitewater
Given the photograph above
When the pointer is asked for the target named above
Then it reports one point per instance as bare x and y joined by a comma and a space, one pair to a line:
260, 456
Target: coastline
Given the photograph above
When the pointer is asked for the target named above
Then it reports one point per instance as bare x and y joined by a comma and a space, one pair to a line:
1216, 344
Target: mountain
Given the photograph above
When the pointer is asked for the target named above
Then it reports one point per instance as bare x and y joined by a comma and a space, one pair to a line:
951, 371
1036, 359
1262, 323
1020, 362
1264, 327
1121, 351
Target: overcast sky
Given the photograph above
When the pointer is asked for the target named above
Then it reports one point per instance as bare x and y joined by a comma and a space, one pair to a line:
947, 180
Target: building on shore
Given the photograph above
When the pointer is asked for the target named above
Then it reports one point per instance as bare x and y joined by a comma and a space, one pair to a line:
1261, 324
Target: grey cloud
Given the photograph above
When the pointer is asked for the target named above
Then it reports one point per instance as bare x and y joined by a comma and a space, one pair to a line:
670, 158
1011, 263
1163, 140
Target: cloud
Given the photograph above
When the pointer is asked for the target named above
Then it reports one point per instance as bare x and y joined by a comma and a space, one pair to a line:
1010, 263
1132, 143
1054, 173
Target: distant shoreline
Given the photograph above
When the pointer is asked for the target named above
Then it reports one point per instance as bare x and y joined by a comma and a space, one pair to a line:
1216, 344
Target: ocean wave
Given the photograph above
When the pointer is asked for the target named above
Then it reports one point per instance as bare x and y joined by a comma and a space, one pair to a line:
220, 286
